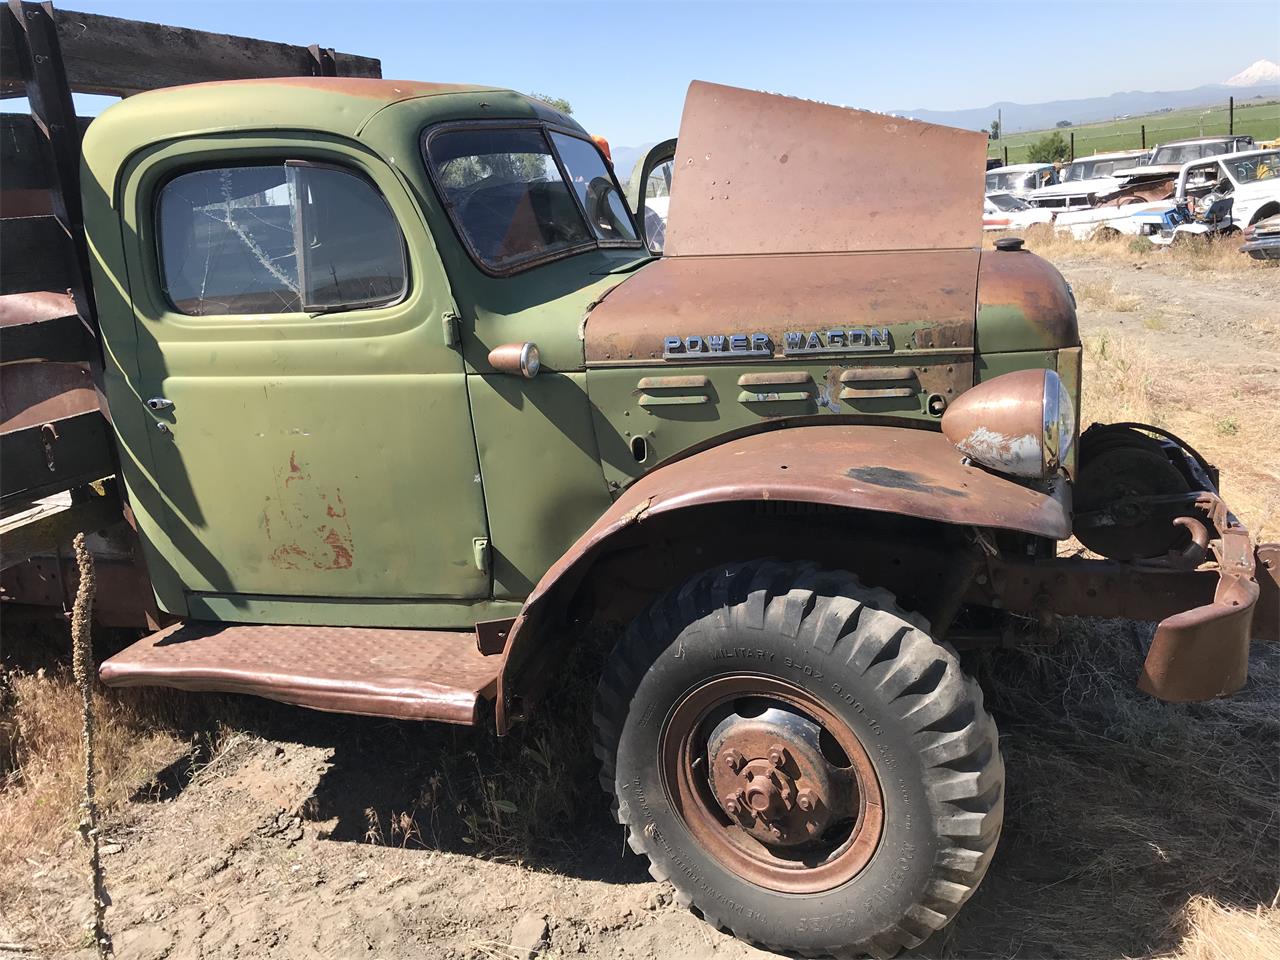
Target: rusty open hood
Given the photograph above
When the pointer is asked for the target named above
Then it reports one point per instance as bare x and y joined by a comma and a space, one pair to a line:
762, 173
793, 218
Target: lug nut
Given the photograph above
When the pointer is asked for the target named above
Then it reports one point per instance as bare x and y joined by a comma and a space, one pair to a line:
777, 755
776, 832
731, 806
806, 800
732, 759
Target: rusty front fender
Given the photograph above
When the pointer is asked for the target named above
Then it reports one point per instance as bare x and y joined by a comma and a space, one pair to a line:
899, 470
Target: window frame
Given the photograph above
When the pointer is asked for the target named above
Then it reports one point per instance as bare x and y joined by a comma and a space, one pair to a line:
284, 162
545, 128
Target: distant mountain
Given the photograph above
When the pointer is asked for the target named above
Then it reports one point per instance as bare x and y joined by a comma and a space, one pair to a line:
625, 159
1259, 73
1262, 79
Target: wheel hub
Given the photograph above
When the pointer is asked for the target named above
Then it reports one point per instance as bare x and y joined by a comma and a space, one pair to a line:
771, 783
770, 777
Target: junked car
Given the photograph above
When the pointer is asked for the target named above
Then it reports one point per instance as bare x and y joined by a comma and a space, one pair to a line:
1020, 179
403, 402
1082, 182
1004, 211
1168, 158
1262, 240
1217, 196
1214, 195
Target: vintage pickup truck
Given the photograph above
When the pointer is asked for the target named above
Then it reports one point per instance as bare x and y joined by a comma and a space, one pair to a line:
402, 401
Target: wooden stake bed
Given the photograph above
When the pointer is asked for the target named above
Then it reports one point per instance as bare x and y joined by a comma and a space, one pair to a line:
406, 674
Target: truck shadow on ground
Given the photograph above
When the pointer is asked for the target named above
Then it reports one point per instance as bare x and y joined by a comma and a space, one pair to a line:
1120, 810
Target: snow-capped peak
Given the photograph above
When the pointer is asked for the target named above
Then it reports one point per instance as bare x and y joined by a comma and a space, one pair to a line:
1264, 71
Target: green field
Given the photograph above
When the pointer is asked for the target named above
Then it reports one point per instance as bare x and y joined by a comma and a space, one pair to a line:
1261, 120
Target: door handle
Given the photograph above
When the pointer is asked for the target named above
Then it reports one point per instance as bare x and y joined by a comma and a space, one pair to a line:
159, 403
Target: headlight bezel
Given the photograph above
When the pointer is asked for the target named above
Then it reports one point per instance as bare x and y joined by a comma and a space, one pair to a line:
1022, 424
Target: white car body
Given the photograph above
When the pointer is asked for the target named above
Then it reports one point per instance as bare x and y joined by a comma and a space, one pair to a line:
1084, 180
1020, 179
1252, 179
1168, 158
1004, 211
1088, 223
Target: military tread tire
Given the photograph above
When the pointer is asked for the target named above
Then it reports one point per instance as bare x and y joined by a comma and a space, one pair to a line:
932, 744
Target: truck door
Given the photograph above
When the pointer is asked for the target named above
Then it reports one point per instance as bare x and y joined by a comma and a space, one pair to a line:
310, 435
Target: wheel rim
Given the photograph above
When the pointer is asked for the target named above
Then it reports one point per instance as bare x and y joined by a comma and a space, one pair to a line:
771, 783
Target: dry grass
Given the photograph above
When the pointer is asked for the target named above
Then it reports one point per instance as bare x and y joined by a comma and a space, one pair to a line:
1105, 296
40, 747
1216, 255
1133, 827
1230, 420
1216, 931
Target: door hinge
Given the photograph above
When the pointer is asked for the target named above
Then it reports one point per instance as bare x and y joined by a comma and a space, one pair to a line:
480, 545
451, 328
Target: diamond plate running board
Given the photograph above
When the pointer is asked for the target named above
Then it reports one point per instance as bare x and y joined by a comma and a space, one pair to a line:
406, 674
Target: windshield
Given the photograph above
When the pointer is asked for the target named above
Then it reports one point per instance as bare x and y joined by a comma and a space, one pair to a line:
509, 201
1010, 181
1264, 166
1007, 202
1088, 169
1186, 152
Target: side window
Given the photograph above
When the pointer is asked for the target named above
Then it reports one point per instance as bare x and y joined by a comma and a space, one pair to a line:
607, 212
657, 201
278, 238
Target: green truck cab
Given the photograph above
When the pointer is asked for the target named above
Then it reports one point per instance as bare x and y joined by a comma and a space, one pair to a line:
403, 398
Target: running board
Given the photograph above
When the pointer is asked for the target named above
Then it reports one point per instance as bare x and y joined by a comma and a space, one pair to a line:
406, 674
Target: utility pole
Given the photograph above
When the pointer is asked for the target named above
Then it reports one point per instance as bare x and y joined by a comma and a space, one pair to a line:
1231, 115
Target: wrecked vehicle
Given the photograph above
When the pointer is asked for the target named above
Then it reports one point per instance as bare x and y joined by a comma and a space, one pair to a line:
1168, 158
403, 402
1210, 196
1004, 211
1262, 240
1020, 179
1081, 183
1218, 196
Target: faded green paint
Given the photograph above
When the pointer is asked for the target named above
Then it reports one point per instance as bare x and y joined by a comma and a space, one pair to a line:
542, 480
668, 419
988, 366
339, 469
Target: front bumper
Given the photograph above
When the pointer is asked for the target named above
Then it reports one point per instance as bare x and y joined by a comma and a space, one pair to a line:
1263, 248
1203, 652
1209, 601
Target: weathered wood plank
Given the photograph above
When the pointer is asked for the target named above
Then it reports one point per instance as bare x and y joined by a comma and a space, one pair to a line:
41, 326
25, 163
50, 525
120, 57
73, 451
35, 254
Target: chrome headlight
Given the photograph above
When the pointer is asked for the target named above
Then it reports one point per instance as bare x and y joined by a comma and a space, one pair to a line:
1021, 423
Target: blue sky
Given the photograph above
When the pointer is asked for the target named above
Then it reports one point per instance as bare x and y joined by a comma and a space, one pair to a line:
625, 64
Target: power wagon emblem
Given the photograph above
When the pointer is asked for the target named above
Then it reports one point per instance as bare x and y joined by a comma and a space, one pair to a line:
796, 343
717, 347
858, 340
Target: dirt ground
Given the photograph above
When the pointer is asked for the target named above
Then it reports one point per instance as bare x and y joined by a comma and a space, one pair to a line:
275, 833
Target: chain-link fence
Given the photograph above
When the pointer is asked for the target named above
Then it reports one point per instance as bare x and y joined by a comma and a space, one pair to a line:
1260, 121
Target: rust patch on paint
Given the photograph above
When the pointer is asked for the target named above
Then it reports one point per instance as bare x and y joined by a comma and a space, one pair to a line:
289, 519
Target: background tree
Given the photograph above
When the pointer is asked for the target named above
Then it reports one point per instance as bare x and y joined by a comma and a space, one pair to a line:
1051, 148
1062, 124
560, 103
995, 129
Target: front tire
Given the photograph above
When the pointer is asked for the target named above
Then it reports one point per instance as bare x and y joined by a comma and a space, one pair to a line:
801, 760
